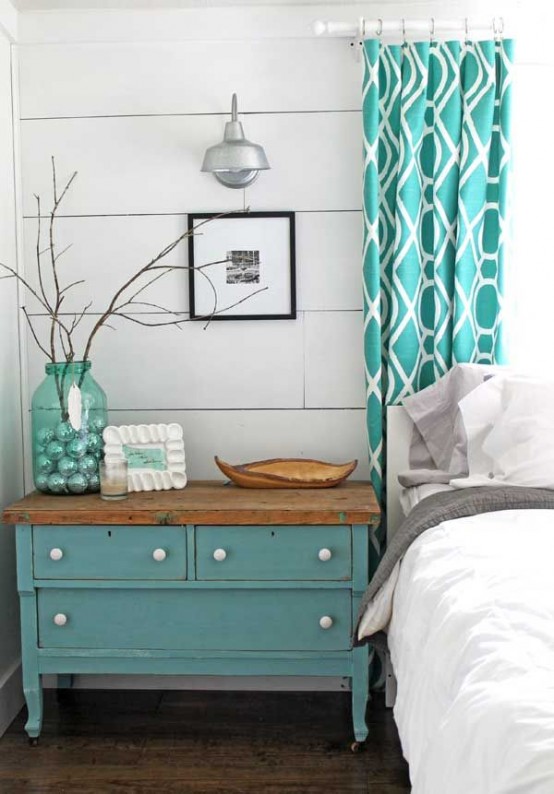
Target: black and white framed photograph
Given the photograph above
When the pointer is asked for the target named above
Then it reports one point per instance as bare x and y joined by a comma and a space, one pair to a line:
253, 277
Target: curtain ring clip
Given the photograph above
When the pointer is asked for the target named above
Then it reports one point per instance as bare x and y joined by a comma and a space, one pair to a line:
466, 28
379, 31
498, 31
432, 30
403, 31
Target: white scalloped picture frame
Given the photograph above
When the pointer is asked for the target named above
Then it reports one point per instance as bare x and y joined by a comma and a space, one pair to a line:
132, 441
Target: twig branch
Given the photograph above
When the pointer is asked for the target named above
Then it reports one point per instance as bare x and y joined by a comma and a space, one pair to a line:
58, 296
150, 305
67, 247
73, 284
14, 274
78, 317
134, 318
214, 291
39, 254
66, 353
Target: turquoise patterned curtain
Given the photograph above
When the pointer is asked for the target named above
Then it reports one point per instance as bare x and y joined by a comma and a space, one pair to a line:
437, 150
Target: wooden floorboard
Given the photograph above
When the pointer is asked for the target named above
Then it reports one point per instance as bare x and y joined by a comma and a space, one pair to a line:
97, 741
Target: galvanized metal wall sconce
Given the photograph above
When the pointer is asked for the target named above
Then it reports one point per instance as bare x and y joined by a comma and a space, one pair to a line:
236, 161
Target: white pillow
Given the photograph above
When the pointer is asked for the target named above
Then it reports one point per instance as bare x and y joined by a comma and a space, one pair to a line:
480, 410
509, 424
521, 443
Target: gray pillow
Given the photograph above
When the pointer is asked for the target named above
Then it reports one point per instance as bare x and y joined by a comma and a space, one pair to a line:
438, 449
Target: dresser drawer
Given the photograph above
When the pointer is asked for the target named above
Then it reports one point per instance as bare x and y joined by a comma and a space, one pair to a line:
273, 552
109, 552
187, 620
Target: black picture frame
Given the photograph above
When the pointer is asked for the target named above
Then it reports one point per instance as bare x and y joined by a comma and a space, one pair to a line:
246, 266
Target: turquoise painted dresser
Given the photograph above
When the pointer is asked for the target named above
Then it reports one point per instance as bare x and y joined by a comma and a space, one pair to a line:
210, 580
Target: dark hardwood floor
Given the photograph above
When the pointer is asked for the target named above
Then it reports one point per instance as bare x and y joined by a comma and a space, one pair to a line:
202, 743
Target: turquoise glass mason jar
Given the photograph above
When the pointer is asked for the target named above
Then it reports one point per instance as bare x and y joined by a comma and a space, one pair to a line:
65, 459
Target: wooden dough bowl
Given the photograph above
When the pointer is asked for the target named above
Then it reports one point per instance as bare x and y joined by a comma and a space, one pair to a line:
287, 473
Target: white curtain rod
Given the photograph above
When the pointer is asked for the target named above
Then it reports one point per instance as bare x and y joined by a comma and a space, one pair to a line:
369, 28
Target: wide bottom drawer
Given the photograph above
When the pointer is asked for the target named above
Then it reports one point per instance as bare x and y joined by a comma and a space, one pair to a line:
207, 620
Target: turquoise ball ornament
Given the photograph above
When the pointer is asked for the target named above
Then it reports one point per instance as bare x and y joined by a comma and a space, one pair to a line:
57, 483
64, 432
88, 465
44, 436
44, 464
67, 466
97, 424
93, 483
94, 443
77, 483
55, 450
42, 482
76, 448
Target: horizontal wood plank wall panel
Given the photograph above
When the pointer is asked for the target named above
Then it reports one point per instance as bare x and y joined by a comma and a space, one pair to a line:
329, 246
107, 250
11, 462
134, 119
245, 22
240, 436
203, 24
152, 164
188, 77
228, 365
334, 360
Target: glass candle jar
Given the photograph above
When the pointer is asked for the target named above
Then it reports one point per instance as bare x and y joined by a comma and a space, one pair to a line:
113, 479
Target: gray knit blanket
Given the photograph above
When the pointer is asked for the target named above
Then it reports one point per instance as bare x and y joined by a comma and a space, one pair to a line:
446, 506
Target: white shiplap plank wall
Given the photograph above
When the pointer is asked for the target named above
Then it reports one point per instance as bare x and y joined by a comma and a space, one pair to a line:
11, 460
134, 119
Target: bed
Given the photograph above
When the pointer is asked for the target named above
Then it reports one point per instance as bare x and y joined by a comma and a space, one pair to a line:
469, 617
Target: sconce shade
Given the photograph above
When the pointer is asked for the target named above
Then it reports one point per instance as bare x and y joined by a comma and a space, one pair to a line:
236, 161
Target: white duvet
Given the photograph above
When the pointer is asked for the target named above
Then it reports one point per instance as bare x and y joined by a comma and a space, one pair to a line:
472, 645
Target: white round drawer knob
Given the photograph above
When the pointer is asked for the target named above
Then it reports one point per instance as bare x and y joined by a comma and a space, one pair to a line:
159, 555
60, 619
220, 555
324, 555
56, 554
326, 622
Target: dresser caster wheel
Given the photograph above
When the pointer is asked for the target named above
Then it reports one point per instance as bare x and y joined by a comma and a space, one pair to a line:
33, 741
357, 747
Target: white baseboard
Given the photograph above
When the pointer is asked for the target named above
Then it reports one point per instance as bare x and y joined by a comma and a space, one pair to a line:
11, 695
250, 683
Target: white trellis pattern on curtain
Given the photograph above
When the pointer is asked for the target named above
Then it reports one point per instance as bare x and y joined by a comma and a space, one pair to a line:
437, 152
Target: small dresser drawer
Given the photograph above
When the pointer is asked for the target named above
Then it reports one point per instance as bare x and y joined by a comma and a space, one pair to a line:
273, 553
109, 552
224, 620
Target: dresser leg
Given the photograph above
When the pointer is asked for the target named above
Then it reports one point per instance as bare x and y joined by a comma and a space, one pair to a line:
32, 679
360, 689
33, 698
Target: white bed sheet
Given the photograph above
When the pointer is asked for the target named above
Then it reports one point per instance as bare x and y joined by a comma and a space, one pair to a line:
410, 497
472, 645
